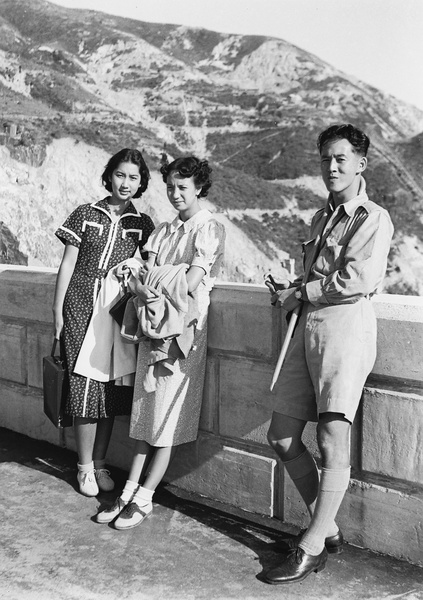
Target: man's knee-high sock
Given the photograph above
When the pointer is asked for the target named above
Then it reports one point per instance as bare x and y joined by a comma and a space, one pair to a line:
303, 472
333, 485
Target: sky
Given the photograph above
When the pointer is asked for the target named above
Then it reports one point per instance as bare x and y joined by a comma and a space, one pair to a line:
377, 41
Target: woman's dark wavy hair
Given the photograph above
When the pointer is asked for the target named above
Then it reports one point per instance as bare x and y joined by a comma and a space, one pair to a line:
355, 136
130, 155
190, 166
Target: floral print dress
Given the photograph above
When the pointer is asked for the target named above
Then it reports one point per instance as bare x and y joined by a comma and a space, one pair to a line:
102, 245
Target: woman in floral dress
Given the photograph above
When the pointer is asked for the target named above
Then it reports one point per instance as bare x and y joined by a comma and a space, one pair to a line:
97, 237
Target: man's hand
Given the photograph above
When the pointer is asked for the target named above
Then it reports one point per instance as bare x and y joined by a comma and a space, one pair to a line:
286, 299
273, 286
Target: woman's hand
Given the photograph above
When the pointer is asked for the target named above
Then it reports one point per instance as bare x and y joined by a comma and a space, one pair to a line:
143, 292
122, 270
58, 323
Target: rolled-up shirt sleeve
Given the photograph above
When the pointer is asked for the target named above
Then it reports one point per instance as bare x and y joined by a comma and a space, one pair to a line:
344, 274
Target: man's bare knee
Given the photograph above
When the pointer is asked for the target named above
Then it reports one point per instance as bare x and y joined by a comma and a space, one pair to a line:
333, 439
284, 436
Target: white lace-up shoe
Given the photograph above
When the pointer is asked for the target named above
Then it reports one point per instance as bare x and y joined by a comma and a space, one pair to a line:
109, 514
133, 515
87, 483
104, 481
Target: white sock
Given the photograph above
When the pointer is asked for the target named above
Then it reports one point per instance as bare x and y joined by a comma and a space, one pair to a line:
129, 490
333, 485
86, 468
143, 496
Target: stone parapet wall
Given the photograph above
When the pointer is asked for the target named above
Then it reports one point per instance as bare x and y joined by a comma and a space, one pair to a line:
231, 461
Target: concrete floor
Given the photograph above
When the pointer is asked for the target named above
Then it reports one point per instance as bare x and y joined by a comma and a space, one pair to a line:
190, 549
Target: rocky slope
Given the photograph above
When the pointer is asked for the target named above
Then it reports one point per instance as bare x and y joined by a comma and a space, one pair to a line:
79, 85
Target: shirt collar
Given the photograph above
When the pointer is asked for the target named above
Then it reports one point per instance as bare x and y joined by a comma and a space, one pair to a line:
200, 217
351, 206
103, 205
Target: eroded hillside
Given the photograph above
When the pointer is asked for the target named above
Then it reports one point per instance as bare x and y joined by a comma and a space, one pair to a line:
77, 85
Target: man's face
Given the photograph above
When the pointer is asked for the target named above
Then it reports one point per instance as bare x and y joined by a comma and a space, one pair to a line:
341, 168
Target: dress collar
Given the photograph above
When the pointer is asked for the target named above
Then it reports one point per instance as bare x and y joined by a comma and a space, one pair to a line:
103, 205
200, 217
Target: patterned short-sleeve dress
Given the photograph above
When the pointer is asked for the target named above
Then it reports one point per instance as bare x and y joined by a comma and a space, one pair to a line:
169, 416
102, 245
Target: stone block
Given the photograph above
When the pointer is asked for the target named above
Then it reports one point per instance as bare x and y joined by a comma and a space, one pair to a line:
27, 294
392, 436
400, 336
228, 474
21, 410
374, 514
13, 352
385, 516
241, 320
245, 400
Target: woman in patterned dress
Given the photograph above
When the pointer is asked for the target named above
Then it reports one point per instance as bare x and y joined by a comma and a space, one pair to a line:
97, 237
169, 416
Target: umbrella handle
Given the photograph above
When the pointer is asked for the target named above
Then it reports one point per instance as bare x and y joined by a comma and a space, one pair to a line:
284, 349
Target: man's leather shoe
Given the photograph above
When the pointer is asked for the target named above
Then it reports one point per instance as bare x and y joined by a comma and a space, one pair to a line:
296, 567
333, 544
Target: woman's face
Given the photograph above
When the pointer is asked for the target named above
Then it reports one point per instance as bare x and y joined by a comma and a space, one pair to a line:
183, 194
125, 181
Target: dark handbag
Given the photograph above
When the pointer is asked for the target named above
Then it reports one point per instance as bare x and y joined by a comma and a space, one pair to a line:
118, 309
55, 388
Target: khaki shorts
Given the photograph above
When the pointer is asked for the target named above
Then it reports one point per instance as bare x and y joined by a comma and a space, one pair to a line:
329, 358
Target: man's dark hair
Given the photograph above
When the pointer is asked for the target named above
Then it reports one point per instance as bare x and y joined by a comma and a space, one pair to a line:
358, 140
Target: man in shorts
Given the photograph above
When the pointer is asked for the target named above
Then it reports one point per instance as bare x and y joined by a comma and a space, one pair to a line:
333, 348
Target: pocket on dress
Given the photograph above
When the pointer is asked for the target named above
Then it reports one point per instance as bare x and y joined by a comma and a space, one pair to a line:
92, 232
131, 239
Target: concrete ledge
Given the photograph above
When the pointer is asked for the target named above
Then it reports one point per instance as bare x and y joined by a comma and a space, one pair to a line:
245, 402
21, 410
211, 468
242, 321
231, 461
27, 293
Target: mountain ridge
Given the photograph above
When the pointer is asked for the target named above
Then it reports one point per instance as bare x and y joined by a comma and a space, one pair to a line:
252, 105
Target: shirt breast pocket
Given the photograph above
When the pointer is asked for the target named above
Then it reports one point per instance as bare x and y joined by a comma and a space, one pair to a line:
307, 252
93, 233
332, 254
132, 237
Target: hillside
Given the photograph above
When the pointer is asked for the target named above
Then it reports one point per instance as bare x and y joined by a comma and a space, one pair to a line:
75, 86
